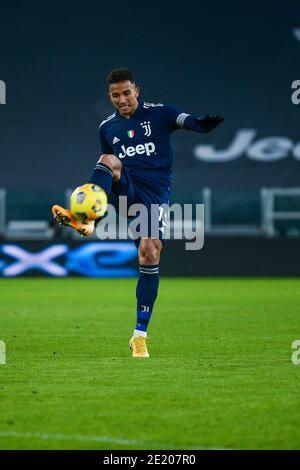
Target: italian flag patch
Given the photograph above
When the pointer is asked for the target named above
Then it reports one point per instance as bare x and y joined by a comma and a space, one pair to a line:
130, 134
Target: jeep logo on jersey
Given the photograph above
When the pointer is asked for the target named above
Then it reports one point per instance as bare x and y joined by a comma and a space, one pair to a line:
139, 150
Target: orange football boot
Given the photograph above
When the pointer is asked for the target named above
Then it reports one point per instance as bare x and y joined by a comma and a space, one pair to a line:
65, 217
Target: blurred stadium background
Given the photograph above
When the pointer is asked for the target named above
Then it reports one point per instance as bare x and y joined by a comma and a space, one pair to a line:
233, 58
240, 63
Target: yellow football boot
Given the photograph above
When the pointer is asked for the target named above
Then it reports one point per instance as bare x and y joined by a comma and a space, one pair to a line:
138, 346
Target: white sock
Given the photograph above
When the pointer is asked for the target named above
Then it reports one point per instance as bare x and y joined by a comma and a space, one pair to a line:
139, 333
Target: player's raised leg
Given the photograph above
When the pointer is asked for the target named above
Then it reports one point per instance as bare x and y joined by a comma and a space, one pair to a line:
146, 292
107, 170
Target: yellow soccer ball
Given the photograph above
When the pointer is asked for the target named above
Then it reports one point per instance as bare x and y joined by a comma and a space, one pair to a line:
88, 202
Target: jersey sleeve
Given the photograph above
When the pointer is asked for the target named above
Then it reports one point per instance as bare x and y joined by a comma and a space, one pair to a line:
171, 114
104, 144
179, 120
175, 117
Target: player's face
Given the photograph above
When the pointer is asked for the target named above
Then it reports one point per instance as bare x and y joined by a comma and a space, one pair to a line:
123, 96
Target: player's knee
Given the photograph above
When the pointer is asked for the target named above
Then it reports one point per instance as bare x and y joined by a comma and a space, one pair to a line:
113, 163
108, 159
149, 253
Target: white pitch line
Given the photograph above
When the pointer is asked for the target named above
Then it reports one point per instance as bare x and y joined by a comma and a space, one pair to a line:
76, 437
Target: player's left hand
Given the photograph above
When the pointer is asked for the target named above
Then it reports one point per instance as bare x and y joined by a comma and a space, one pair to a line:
208, 123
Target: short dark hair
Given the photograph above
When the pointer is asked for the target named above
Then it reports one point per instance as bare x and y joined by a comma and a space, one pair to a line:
120, 75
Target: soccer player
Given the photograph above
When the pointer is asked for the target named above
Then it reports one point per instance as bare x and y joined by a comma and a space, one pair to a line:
136, 161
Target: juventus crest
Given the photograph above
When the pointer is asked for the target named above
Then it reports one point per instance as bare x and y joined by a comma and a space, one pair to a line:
146, 126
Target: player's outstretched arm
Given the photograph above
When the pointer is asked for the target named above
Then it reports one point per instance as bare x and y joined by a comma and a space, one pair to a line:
182, 120
201, 124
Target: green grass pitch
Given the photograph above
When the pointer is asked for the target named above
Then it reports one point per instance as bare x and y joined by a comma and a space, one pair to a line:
220, 373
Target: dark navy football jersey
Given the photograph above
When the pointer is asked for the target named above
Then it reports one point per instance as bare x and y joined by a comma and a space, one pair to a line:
142, 143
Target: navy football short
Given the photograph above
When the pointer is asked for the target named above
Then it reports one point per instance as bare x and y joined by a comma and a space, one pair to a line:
155, 211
